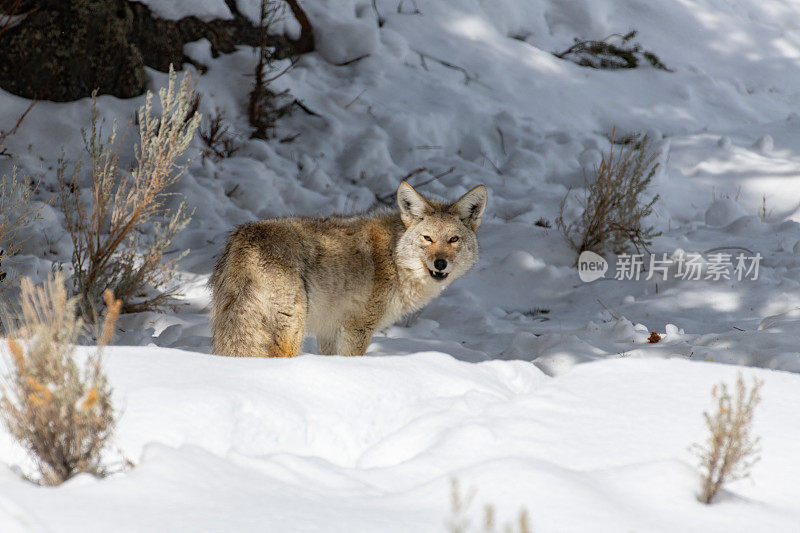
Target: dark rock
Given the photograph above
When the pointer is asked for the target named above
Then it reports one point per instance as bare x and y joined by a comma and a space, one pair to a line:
161, 41
63, 50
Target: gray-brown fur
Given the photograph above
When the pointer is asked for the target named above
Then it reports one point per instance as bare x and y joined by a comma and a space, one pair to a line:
339, 278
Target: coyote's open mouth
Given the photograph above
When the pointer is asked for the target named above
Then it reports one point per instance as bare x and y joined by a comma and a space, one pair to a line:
438, 276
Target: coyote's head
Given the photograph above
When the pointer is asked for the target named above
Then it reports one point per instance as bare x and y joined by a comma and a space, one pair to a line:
439, 240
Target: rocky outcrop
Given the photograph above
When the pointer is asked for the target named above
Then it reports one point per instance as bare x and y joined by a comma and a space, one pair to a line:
62, 51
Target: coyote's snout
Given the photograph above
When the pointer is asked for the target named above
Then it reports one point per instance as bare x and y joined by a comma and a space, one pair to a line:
339, 278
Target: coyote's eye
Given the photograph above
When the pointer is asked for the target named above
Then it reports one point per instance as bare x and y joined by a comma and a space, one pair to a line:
454, 238
427, 238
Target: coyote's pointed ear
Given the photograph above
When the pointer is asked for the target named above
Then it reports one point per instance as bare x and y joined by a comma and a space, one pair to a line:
469, 208
413, 207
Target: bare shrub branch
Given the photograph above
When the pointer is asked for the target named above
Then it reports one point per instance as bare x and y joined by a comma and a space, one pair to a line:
6, 134
112, 249
8, 18
59, 412
613, 207
266, 106
730, 450
218, 141
8, 13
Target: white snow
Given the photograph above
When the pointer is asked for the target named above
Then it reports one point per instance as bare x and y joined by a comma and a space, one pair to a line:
724, 211
370, 444
550, 396
339, 42
177, 9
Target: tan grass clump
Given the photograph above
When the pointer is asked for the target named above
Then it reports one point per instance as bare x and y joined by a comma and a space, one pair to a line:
459, 521
58, 410
730, 450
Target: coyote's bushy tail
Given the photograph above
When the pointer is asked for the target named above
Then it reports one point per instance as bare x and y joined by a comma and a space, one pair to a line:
258, 305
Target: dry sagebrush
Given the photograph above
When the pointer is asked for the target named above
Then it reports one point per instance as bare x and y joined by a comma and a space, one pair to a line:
59, 412
613, 207
730, 450
16, 212
121, 235
459, 521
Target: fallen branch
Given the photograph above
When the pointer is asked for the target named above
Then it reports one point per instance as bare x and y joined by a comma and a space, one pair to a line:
304, 43
467, 76
606, 55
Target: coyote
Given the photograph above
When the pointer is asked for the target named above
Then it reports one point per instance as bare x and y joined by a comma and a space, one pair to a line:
339, 278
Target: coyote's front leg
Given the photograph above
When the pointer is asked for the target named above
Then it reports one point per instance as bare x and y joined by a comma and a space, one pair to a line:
357, 331
356, 336
328, 344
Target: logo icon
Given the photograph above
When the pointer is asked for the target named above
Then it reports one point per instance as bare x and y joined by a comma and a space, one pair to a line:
591, 266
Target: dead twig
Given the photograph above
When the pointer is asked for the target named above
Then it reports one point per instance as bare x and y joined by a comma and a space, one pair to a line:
8, 14
615, 317
387, 198
289, 138
354, 100
414, 11
302, 106
233, 190
378, 17
494, 166
351, 61
414, 173
428, 147
436, 177
6, 134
